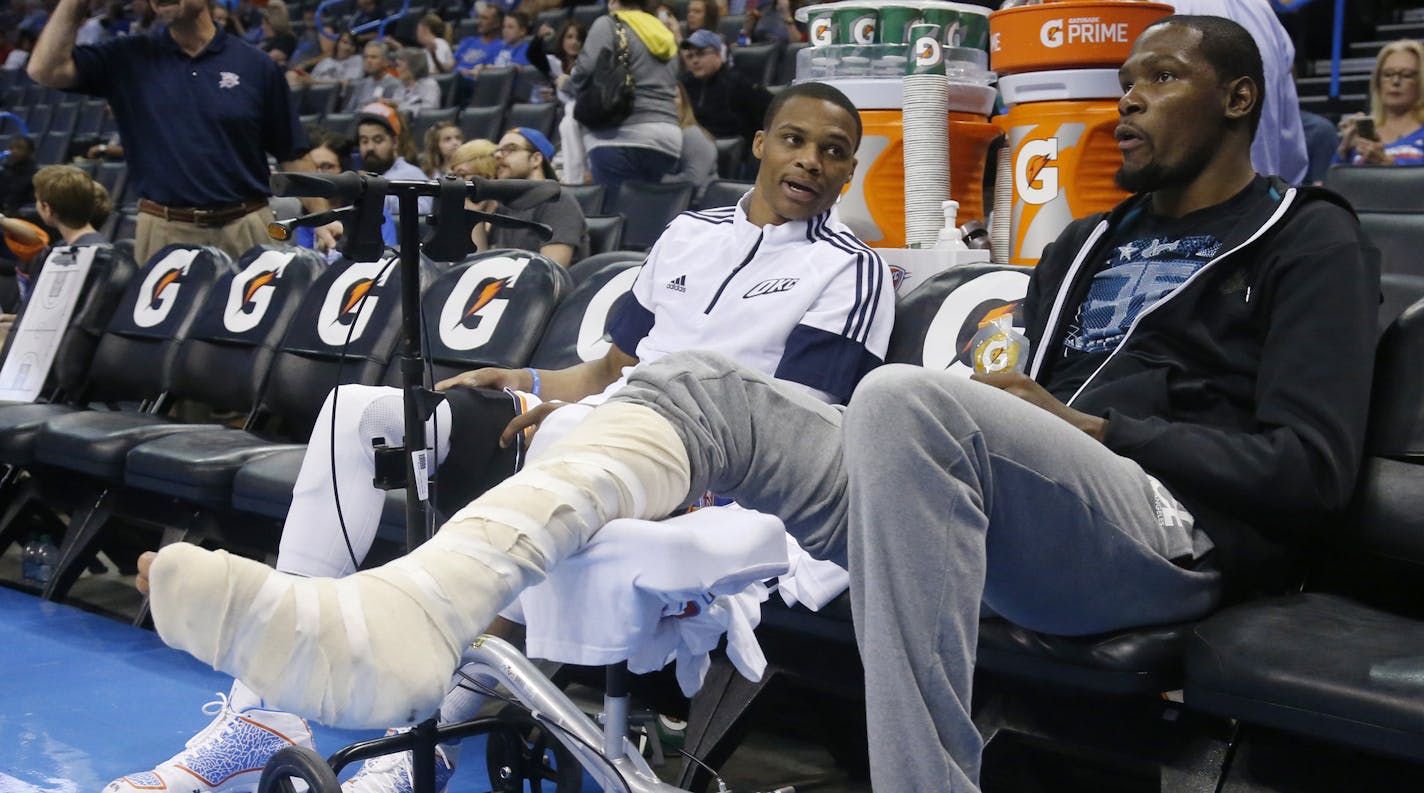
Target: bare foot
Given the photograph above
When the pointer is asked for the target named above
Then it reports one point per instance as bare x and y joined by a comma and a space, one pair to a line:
145, 561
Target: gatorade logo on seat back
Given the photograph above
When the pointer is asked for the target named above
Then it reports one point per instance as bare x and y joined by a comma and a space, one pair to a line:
593, 341
349, 304
966, 309
250, 294
161, 287
481, 296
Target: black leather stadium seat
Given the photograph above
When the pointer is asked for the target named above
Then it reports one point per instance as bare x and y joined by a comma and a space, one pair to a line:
1390, 203
490, 310
577, 333
345, 331
647, 208
1344, 661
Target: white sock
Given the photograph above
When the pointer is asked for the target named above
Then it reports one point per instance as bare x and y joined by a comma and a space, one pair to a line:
378, 647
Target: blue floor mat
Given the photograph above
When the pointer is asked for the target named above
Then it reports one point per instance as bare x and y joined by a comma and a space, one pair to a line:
85, 699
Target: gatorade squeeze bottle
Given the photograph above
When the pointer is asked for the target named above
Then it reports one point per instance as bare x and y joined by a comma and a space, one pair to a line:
997, 347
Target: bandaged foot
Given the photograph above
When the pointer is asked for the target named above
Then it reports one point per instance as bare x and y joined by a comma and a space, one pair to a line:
378, 647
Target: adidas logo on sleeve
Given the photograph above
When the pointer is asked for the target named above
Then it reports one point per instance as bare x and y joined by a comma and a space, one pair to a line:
678, 284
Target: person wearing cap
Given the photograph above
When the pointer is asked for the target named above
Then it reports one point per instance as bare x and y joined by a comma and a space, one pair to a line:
384, 144
187, 98
724, 101
525, 153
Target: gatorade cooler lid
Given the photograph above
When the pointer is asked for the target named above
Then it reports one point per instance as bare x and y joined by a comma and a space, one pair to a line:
872, 94
1074, 34
803, 12
1059, 85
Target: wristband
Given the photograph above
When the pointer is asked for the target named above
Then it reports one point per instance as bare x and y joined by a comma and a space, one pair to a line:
534, 373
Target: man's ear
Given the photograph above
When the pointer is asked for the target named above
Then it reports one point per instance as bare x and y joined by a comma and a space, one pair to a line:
1242, 94
758, 141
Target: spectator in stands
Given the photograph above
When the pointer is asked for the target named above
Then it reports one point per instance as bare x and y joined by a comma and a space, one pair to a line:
525, 153
24, 44
67, 199
1396, 111
184, 99
698, 164
647, 144
383, 138
773, 24
474, 158
309, 50
377, 82
277, 35
481, 49
17, 175
1279, 147
1322, 139
810, 340
441, 141
94, 29
248, 18
419, 91
515, 40
573, 158
433, 35
570, 38
35, 18
725, 102
343, 64
701, 15
223, 18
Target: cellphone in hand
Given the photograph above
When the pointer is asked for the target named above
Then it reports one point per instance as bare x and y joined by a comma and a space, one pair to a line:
1365, 128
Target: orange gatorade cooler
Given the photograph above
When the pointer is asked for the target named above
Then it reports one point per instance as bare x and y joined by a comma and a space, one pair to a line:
1069, 34
1062, 153
1058, 76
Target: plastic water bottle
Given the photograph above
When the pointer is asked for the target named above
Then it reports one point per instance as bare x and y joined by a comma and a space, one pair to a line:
46, 557
30, 561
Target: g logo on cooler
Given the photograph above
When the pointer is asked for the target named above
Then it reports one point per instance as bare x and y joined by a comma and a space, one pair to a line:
822, 33
927, 51
1035, 175
1051, 34
863, 31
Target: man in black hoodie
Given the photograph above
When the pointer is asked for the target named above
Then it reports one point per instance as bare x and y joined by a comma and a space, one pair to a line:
724, 101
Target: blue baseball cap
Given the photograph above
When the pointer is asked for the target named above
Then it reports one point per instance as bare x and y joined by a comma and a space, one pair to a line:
703, 39
538, 141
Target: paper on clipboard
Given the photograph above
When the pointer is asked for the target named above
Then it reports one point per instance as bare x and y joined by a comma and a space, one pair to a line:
46, 318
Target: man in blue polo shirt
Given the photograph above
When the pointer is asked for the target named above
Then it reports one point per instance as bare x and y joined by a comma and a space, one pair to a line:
199, 111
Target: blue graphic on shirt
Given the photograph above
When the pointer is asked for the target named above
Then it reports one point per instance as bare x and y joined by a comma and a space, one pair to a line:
1138, 275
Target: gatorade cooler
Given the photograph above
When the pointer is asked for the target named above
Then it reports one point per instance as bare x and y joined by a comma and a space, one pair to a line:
1058, 64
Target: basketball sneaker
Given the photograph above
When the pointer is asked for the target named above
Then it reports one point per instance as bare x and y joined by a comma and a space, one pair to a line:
391, 773
226, 757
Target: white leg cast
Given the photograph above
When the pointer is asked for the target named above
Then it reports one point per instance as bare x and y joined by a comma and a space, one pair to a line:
378, 647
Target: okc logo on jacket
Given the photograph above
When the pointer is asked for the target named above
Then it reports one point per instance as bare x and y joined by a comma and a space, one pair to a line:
350, 301
161, 288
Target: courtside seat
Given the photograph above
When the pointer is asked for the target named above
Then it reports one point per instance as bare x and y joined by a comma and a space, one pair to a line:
346, 330
578, 331
1344, 660
133, 359
221, 364
1389, 201
585, 267
489, 310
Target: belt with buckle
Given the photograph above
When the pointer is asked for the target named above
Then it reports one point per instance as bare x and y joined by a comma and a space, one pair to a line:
203, 217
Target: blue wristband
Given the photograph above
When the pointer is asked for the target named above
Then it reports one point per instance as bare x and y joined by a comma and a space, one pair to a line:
534, 373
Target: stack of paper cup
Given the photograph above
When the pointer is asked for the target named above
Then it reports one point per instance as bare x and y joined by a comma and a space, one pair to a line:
926, 134
1000, 227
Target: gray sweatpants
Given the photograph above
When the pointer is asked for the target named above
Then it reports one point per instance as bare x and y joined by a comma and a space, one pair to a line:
940, 493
